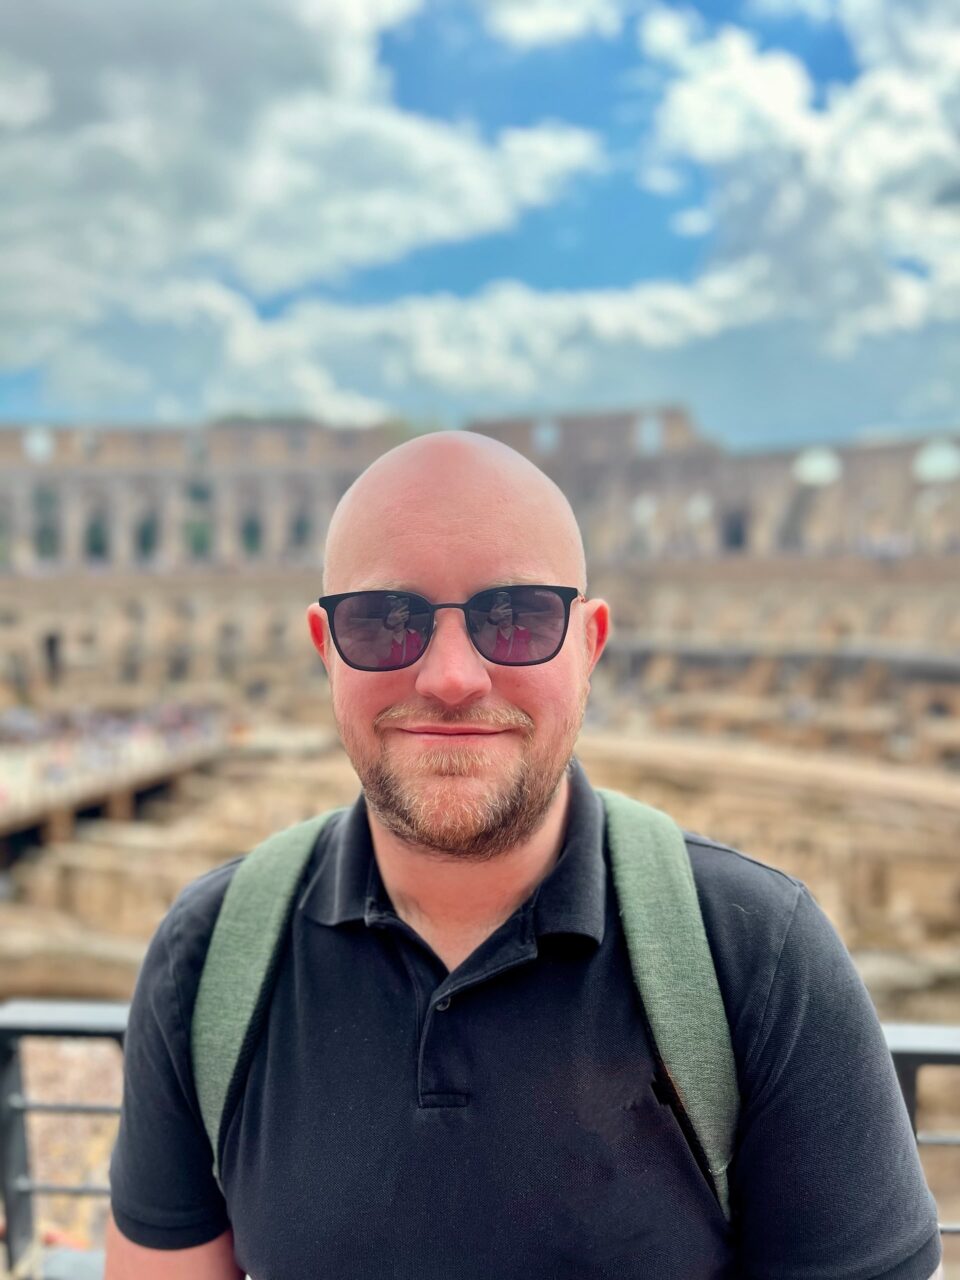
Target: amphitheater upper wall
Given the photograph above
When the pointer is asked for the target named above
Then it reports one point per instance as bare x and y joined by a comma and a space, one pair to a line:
645, 483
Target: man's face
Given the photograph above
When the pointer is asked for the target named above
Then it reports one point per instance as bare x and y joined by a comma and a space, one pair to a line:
455, 753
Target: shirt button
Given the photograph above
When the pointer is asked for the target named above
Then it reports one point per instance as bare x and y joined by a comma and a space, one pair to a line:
442, 1005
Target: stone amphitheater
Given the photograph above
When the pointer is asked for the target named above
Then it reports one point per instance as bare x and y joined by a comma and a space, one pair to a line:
783, 676
784, 672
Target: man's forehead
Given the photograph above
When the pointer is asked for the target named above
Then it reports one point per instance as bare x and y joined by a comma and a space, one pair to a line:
416, 512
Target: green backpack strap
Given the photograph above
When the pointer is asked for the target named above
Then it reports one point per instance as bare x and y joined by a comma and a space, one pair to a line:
240, 965
674, 974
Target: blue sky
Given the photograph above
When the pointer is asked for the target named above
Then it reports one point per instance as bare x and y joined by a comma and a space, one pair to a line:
440, 209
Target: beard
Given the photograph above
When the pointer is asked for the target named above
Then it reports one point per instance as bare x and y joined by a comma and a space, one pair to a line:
445, 801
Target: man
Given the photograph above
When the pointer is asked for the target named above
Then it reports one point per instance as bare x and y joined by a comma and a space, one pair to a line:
454, 1075
512, 641
404, 642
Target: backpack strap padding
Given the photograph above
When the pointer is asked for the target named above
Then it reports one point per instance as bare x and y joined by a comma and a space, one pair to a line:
674, 973
245, 943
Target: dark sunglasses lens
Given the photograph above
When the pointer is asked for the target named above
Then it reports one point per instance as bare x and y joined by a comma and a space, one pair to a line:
381, 630
514, 625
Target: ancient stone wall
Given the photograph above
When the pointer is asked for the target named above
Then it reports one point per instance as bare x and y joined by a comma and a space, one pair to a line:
645, 484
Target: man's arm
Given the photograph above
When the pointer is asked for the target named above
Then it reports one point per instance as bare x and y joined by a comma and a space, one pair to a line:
167, 1207
211, 1261
820, 1098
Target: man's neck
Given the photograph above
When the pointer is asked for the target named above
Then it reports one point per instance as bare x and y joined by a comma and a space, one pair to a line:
454, 903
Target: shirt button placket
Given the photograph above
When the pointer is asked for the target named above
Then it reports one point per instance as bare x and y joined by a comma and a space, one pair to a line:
441, 1067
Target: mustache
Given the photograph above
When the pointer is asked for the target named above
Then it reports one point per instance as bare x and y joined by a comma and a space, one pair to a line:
487, 717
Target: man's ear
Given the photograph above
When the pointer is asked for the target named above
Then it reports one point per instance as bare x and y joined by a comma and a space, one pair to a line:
597, 630
320, 634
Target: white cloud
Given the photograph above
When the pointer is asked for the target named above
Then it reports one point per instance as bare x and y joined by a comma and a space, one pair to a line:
511, 339
691, 222
330, 187
271, 155
528, 23
855, 203
87, 375
660, 179
195, 348
817, 11
729, 98
918, 35
200, 345
903, 304
669, 34
298, 387
25, 94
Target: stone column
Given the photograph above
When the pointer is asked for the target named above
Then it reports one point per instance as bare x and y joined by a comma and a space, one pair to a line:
23, 555
171, 552
325, 500
123, 508
227, 534
73, 522
275, 518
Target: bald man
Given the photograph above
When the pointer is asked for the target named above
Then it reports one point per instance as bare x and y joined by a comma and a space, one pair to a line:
453, 1078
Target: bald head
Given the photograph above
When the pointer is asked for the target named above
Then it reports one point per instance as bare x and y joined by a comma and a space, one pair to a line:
462, 491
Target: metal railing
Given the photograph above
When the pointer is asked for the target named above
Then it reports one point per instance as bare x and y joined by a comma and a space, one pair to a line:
56, 1019
913, 1046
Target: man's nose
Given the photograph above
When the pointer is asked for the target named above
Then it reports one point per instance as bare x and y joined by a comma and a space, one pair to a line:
452, 670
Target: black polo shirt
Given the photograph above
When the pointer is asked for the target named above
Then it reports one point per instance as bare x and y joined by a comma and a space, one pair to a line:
499, 1121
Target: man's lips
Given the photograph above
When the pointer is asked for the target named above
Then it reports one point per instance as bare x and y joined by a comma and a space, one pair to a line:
448, 730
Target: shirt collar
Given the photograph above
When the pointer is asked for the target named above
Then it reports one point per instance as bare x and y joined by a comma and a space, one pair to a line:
346, 885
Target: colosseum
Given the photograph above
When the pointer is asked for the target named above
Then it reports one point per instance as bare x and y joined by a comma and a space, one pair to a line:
646, 484
142, 562
783, 674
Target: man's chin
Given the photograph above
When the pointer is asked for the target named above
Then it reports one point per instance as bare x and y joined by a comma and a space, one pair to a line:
409, 757
463, 813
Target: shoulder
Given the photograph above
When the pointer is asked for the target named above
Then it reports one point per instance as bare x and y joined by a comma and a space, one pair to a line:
183, 937
740, 892
196, 907
174, 959
772, 946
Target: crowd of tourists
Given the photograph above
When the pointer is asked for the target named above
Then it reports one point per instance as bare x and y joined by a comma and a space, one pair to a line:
42, 753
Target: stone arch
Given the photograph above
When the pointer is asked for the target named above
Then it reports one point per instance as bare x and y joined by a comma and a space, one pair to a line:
735, 529
97, 535
47, 524
251, 534
301, 530
146, 535
198, 523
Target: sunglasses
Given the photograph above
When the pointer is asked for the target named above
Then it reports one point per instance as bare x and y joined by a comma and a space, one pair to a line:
388, 630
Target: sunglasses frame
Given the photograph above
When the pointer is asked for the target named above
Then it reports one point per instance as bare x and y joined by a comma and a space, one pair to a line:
567, 595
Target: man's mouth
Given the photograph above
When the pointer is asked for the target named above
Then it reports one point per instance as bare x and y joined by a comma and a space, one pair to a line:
449, 730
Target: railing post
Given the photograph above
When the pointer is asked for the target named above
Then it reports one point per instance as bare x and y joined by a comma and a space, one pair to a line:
907, 1069
17, 1204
